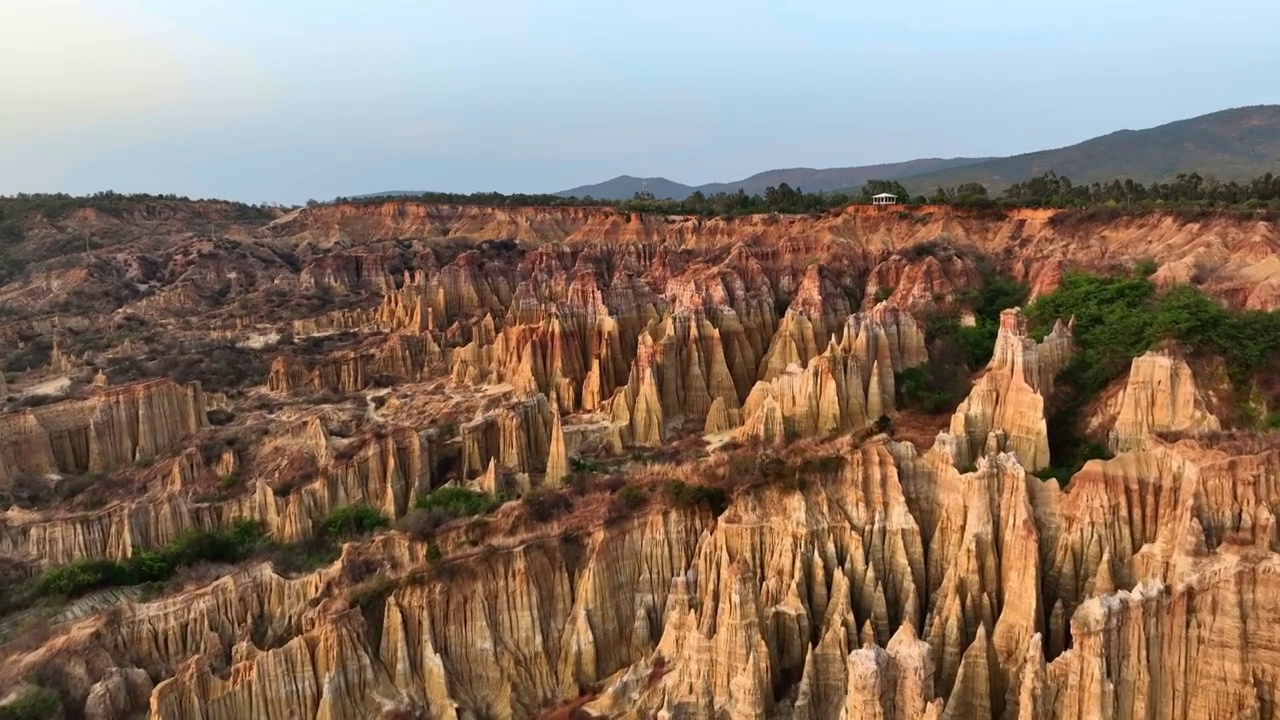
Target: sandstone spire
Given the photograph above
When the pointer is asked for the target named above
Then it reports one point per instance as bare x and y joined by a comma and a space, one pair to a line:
1160, 395
557, 455
1009, 399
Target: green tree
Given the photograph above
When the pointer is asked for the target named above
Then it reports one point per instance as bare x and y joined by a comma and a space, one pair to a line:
971, 193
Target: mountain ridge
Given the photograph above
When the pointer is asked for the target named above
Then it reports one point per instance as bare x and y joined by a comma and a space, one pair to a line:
1233, 144
1236, 144
624, 187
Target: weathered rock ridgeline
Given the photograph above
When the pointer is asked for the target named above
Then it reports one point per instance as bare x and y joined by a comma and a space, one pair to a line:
893, 584
897, 586
114, 429
1160, 395
1227, 256
1006, 408
388, 471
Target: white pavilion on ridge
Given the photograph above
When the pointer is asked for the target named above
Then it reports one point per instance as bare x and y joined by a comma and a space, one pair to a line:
884, 199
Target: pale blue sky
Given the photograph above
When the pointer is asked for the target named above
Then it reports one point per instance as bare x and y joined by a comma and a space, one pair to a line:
282, 100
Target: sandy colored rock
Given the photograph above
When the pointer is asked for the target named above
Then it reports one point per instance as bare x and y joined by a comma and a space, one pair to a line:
879, 581
1159, 396
114, 429
1007, 404
846, 388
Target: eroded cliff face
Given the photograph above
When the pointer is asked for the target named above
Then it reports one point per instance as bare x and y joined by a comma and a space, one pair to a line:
893, 585
629, 367
322, 474
1160, 395
1006, 408
1229, 257
113, 429
846, 388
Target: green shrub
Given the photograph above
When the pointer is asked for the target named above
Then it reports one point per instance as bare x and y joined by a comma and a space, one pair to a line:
37, 703
354, 520
998, 293
304, 555
73, 579
421, 524
689, 497
544, 505
458, 502
931, 388
434, 555
229, 546
82, 576
588, 465
1118, 319
630, 497
1069, 457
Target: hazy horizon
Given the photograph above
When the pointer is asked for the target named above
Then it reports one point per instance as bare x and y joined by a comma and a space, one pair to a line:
314, 100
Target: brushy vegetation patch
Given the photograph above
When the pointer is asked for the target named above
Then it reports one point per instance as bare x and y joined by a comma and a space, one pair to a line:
1120, 318
955, 350
750, 466
458, 502
242, 541
1071, 459
543, 505
931, 388
690, 497
82, 576
627, 499
422, 523
353, 521
303, 556
37, 703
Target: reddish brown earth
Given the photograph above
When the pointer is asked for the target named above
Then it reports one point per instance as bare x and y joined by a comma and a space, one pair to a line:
703, 517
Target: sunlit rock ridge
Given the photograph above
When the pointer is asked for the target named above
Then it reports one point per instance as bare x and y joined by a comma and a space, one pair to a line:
588, 370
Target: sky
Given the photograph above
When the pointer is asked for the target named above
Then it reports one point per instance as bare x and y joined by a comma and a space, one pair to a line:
286, 100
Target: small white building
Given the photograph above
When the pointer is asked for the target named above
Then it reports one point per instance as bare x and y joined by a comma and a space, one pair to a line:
884, 199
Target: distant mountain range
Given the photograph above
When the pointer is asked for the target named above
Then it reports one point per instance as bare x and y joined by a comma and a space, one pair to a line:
1238, 144
808, 179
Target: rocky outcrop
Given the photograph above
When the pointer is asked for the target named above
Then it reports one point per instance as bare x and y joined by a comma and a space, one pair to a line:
896, 587
114, 429
517, 437
387, 472
816, 316
869, 580
926, 276
399, 357
349, 271
121, 694
1201, 650
572, 352
1159, 396
1006, 408
846, 388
